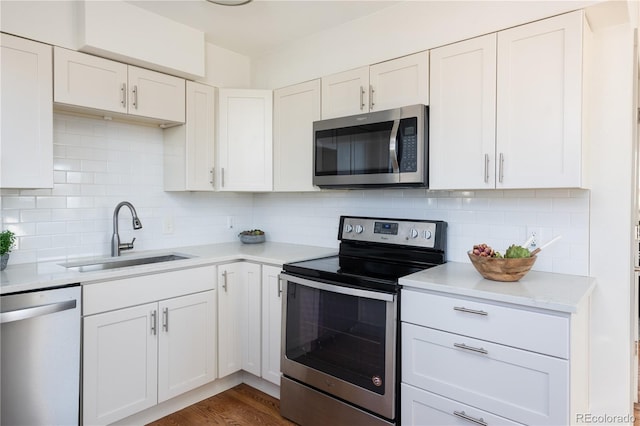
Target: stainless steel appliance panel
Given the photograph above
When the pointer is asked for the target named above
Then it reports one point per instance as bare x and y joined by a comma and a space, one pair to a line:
40, 357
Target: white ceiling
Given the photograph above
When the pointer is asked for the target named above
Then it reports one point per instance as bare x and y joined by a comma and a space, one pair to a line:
261, 26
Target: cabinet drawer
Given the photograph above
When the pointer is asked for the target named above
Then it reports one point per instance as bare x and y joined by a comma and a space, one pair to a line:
519, 385
420, 407
545, 333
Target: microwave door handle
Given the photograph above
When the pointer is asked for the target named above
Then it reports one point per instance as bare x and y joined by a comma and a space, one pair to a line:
393, 146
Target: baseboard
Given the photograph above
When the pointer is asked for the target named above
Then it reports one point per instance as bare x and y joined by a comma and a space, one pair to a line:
203, 392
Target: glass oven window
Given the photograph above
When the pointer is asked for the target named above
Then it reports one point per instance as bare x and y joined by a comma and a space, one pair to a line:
341, 335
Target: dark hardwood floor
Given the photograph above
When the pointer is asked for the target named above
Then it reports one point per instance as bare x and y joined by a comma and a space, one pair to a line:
240, 405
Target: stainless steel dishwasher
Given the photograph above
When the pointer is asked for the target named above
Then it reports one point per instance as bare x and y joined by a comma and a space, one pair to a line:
40, 357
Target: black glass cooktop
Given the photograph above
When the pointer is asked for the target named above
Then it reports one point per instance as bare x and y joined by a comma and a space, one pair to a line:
353, 272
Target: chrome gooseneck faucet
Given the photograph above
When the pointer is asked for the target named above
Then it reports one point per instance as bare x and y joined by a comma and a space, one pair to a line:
116, 247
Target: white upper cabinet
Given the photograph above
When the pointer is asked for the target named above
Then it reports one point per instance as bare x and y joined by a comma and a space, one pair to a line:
462, 115
156, 95
26, 147
245, 155
189, 148
391, 84
86, 81
400, 82
345, 93
506, 108
539, 105
295, 108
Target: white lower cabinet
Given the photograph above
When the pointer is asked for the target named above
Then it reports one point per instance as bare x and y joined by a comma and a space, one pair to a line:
239, 318
271, 323
467, 360
139, 356
249, 312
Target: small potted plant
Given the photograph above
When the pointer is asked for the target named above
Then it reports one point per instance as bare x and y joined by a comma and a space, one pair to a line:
7, 238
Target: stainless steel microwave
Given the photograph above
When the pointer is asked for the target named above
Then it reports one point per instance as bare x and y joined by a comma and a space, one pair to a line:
377, 149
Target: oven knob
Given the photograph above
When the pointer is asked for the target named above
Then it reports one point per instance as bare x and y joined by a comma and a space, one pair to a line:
359, 229
413, 233
426, 234
348, 228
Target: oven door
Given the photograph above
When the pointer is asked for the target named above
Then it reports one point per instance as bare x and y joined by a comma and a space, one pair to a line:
342, 341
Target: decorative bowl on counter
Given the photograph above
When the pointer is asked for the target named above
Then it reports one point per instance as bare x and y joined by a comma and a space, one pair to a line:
255, 236
500, 268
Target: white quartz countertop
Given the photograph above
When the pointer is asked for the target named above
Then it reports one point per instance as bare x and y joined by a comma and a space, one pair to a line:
545, 290
33, 276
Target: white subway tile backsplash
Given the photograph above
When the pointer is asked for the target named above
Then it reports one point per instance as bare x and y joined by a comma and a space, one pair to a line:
99, 163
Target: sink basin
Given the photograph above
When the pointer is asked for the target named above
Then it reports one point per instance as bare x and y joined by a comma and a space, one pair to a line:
113, 263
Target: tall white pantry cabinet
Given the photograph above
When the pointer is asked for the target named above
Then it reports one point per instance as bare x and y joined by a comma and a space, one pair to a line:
506, 108
26, 121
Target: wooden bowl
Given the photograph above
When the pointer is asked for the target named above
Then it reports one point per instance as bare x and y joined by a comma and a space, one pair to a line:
501, 269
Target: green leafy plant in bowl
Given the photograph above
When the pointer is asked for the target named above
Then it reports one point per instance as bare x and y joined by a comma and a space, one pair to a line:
7, 239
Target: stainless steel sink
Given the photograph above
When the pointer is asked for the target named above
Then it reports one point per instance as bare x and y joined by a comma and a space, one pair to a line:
113, 263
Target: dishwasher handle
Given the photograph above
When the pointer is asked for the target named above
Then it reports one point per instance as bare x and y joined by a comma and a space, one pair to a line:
36, 311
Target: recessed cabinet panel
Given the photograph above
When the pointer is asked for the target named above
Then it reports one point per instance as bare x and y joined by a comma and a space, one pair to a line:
230, 309
26, 121
89, 81
120, 362
462, 115
271, 323
345, 93
399, 82
295, 108
156, 95
245, 142
539, 104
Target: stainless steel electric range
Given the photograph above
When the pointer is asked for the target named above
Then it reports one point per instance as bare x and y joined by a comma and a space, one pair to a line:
340, 326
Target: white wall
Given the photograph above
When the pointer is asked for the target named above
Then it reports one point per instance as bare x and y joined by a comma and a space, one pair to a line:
57, 22
408, 27
97, 164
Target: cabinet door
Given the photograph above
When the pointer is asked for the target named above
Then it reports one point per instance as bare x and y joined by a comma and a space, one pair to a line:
119, 363
539, 105
89, 81
271, 323
345, 93
251, 333
295, 108
189, 149
399, 82
462, 115
156, 95
420, 407
230, 310
523, 386
186, 348
246, 149
26, 144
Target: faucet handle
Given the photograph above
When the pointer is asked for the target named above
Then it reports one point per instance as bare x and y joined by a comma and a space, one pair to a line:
127, 246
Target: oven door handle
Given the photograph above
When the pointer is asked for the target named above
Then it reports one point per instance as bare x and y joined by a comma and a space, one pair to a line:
387, 297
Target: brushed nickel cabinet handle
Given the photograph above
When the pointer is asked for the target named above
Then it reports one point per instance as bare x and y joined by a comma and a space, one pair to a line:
135, 96
486, 168
165, 319
482, 351
501, 174
371, 92
468, 418
224, 282
154, 322
470, 311
123, 95
361, 98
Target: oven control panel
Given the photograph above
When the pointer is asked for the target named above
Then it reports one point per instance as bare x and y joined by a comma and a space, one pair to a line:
417, 233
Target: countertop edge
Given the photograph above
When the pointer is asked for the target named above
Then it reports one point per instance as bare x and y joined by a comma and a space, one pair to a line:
45, 275
540, 290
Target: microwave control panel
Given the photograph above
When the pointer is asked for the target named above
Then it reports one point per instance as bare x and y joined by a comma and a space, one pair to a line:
408, 160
